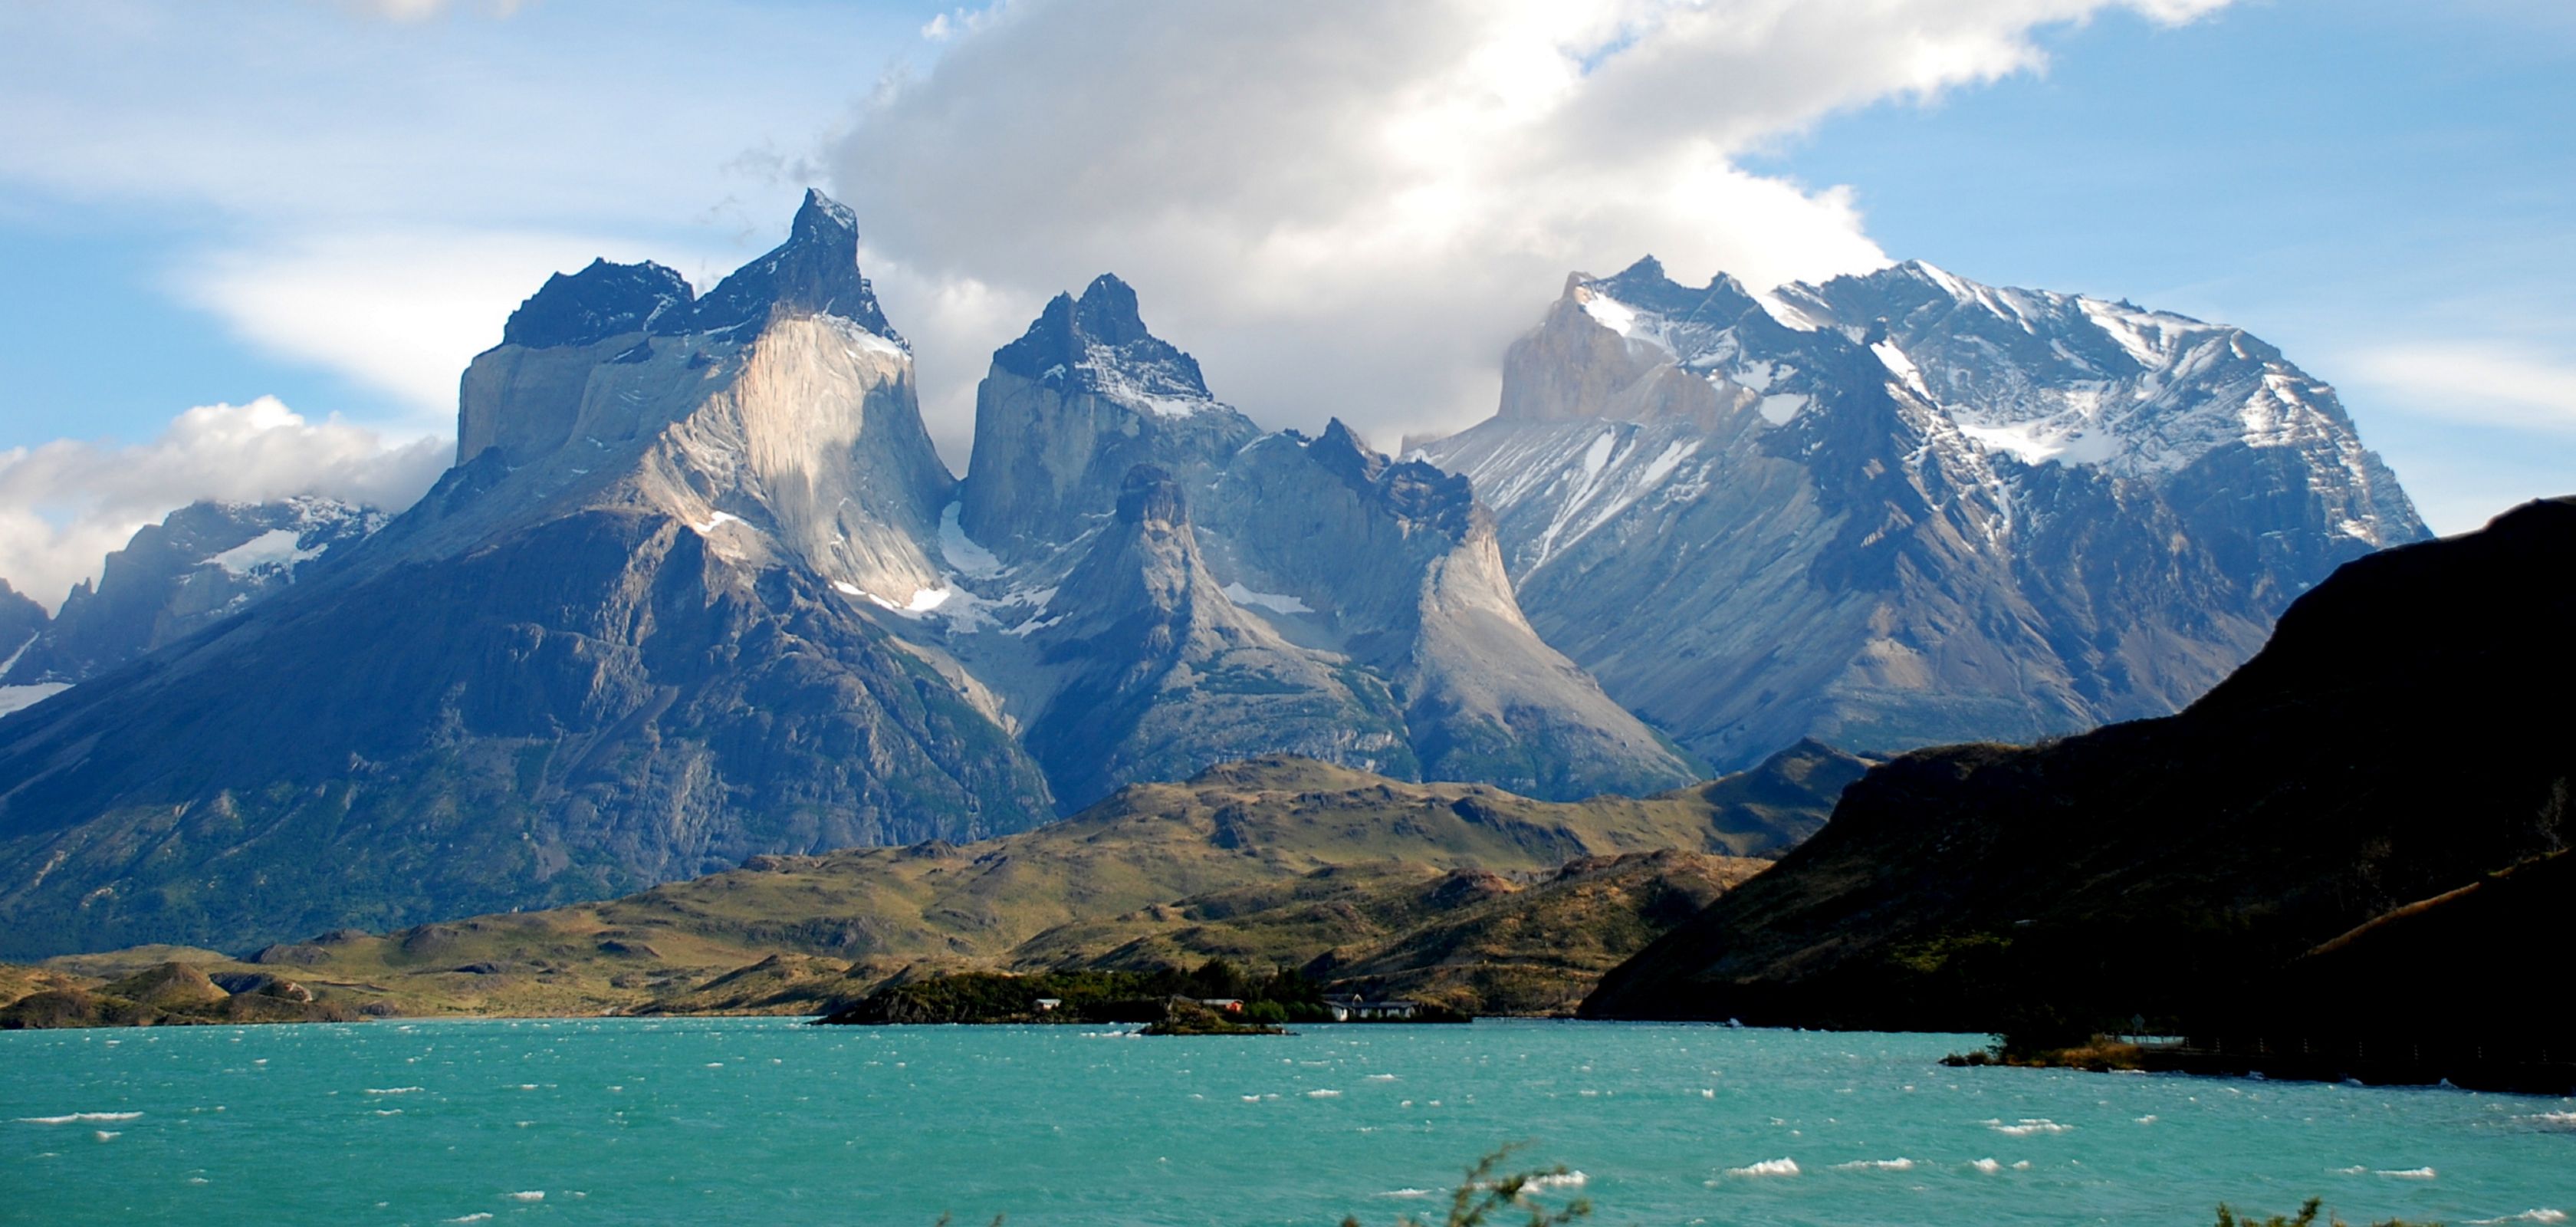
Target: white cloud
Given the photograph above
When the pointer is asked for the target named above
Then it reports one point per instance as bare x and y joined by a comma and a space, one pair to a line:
418, 10
400, 310
2487, 382
1343, 207
64, 505
1349, 207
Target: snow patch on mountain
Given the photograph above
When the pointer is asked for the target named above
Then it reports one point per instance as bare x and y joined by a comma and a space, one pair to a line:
14, 698
961, 551
1275, 602
278, 548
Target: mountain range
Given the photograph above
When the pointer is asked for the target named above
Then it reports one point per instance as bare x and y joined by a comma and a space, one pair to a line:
201, 564
1904, 509
698, 588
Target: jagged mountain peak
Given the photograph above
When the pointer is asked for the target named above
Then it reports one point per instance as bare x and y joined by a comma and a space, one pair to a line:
1341, 450
603, 300
201, 564
1646, 285
2105, 503
1108, 313
1099, 344
1084, 395
821, 219
815, 272
1417, 493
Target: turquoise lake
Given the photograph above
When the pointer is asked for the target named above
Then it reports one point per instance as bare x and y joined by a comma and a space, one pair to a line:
696, 1121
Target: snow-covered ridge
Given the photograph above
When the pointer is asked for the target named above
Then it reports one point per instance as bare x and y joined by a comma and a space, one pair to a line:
2034, 376
1112, 376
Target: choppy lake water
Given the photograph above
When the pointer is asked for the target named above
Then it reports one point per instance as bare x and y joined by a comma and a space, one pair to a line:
760, 1120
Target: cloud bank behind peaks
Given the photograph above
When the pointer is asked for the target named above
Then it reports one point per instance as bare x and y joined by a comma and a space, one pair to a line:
1348, 207
65, 505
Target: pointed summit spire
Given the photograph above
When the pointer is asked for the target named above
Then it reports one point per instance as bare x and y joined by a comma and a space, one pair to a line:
1099, 344
1107, 312
823, 219
815, 272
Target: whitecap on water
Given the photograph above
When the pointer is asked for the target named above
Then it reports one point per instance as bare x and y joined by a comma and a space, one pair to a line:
1988, 1166
393, 1090
2528, 1216
77, 1118
1323, 1094
1880, 1165
527, 1195
2028, 1127
475, 1217
2406, 1173
105, 1135
1767, 1167
1576, 1180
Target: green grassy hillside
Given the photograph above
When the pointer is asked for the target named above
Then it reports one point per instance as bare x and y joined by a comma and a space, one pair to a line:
1277, 859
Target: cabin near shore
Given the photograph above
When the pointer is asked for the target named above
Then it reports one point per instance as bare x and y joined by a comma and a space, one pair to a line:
1361, 1009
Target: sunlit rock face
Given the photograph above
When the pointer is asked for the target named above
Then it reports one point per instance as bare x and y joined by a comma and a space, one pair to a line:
1905, 508
1308, 595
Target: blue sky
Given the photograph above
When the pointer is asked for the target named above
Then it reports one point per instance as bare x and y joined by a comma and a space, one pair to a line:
332, 204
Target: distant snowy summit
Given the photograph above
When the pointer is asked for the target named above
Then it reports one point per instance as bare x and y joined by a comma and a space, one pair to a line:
201, 564
1905, 508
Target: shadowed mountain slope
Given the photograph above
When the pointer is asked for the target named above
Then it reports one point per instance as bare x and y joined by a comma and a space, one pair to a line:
2403, 735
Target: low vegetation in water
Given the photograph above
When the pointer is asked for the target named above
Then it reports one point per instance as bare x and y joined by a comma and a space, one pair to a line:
2098, 1054
1184, 1017
1090, 997
2306, 1217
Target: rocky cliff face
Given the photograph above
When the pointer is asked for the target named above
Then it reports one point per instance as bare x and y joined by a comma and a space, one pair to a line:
1404, 565
21, 621
1068, 409
1904, 509
201, 564
2180, 867
1279, 593
1163, 675
627, 639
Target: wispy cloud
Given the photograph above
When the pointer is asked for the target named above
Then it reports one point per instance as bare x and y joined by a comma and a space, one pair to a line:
402, 310
65, 504
421, 10
2489, 382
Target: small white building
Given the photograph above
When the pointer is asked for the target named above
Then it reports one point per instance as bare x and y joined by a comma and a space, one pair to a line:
1359, 1009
